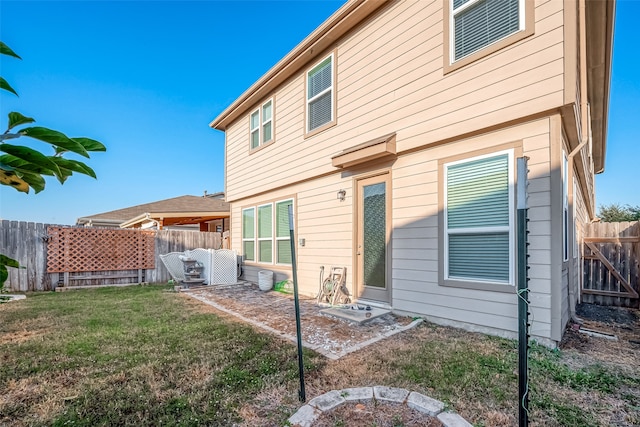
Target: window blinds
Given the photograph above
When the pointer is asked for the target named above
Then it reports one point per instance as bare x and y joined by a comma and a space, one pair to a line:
283, 240
483, 23
319, 94
478, 193
478, 218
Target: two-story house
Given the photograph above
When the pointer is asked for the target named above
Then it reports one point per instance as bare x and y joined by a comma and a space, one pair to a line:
394, 129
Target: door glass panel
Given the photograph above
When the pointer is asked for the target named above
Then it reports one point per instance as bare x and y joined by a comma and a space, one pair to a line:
375, 236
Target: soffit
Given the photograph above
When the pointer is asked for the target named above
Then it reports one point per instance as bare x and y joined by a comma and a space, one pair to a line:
599, 26
174, 218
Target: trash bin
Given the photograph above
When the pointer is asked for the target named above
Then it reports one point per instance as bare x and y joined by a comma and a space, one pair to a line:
265, 280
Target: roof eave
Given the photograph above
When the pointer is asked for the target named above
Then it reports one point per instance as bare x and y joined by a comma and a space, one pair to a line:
135, 220
155, 216
338, 24
600, 28
86, 220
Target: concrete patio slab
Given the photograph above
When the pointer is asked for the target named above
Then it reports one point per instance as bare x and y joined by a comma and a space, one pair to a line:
355, 315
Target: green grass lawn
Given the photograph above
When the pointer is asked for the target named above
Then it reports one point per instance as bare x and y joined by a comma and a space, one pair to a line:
131, 356
146, 356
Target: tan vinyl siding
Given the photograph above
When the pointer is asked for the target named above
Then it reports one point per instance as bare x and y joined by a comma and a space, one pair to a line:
415, 237
390, 79
565, 296
323, 221
326, 225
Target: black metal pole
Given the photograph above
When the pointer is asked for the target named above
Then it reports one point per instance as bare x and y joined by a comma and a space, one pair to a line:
301, 393
523, 297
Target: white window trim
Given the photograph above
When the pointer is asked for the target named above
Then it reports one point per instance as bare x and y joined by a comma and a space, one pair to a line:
252, 129
274, 239
275, 232
252, 239
565, 207
452, 29
510, 228
265, 122
261, 123
330, 88
575, 224
263, 239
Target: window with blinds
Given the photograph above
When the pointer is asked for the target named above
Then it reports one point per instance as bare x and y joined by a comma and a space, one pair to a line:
320, 94
480, 23
283, 234
265, 233
261, 125
267, 121
479, 219
248, 234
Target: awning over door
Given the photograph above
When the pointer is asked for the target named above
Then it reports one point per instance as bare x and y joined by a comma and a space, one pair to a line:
378, 148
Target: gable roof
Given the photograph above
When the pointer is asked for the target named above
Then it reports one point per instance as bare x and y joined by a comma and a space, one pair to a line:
185, 206
344, 19
600, 17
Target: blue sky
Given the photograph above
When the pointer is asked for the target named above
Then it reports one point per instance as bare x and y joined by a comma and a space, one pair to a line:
146, 78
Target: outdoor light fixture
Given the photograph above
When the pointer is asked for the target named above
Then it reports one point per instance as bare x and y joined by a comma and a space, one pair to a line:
341, 195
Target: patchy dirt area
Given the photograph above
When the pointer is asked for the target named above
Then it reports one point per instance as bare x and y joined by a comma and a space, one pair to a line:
379, 414
373, 365
328, 335
612, 315
622, 324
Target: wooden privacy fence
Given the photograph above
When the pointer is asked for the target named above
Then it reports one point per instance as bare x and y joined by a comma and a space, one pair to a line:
611, 264
53, 254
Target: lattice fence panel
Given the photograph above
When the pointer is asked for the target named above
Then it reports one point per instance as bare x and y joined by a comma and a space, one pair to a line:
98, 249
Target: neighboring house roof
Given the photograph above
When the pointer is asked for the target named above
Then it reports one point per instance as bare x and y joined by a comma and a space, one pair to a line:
176, 211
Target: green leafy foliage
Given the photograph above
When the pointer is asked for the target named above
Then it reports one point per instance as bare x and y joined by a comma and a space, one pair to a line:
24, 168
5, 262
6, 50
618, 213
31, 156
55, 138
6, 86
90, 144
17, 119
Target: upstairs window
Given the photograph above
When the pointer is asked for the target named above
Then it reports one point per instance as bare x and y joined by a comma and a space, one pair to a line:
255, 129
261, 125
476, 24
266, 122
320, 96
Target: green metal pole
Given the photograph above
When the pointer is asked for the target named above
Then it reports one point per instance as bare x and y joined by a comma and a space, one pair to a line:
301, 392
523, 297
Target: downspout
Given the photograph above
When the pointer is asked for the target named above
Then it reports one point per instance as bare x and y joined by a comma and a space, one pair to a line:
584, 126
